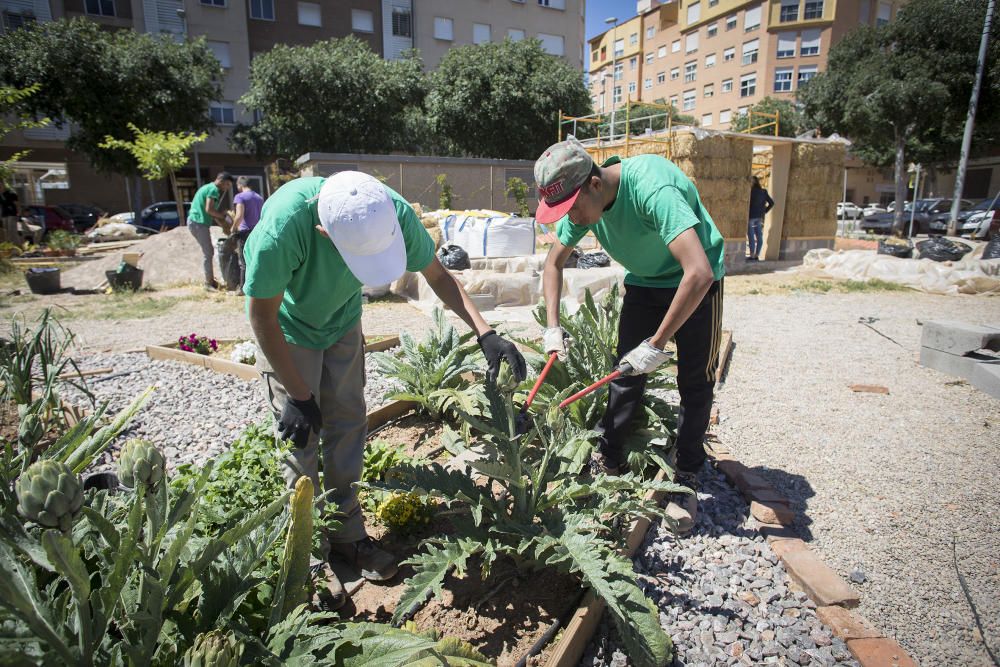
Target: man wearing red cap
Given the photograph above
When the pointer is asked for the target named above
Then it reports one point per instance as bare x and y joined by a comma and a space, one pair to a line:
648, 216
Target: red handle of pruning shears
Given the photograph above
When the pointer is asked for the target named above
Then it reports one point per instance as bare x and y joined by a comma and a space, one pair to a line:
622, 369
539, 381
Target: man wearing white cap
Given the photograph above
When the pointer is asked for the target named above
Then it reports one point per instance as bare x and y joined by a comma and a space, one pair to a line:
318, 241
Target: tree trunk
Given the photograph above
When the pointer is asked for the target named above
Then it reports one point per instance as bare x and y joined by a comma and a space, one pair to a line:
898, 221
136, 198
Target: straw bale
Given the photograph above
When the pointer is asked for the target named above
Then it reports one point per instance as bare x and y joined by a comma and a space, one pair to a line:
436, 233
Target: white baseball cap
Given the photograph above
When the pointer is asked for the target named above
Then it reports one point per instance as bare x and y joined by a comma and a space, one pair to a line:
359, 216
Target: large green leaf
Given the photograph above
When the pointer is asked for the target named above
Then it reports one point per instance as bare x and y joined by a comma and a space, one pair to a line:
431, 567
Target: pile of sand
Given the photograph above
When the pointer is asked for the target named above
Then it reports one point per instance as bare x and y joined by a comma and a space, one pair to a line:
168, 258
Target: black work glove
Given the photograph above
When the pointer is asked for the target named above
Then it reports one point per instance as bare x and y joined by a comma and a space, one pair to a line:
298, 419
496, 347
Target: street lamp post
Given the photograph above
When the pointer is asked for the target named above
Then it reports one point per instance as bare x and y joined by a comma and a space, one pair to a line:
614, 63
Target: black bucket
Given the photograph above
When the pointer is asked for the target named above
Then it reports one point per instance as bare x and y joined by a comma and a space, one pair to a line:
43, 280
125, 278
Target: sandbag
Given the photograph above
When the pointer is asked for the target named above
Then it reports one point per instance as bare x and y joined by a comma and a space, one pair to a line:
992, 249
490, 236
594, 260
454, 257
940, 249
902, 249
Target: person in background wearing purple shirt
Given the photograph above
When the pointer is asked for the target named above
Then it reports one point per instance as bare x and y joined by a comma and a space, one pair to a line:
248, 204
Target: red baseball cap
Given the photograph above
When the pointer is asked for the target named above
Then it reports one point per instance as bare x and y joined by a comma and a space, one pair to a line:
560, 172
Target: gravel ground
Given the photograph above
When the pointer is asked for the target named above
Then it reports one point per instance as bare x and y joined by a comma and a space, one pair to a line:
723, 596
195, 413
886, 481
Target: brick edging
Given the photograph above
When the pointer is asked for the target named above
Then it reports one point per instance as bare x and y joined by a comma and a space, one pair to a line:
833, 596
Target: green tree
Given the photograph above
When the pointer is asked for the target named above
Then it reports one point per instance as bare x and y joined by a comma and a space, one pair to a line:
789, 118
900, 91
100, 81
517, 189
502, 100
12, 117
159, 155
336, 95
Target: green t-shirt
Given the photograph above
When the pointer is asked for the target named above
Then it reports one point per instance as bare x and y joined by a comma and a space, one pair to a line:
655, 203
286, 253
197, 213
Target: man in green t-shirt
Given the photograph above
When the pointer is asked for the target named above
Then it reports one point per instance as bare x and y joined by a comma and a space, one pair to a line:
648, 216
318, 241
206, 208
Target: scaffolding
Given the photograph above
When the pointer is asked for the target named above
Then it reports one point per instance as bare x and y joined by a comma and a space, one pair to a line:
774, 122
647, 135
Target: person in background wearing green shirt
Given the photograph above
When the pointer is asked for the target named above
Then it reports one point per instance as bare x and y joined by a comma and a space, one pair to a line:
206, 207
648, 216
318, 241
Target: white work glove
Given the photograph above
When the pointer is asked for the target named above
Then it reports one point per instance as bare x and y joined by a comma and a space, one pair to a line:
555, 339
644, 359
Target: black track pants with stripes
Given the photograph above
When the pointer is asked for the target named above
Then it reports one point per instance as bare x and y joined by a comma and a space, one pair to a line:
697, 341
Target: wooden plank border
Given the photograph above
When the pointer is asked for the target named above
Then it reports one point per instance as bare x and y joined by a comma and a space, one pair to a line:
725, 349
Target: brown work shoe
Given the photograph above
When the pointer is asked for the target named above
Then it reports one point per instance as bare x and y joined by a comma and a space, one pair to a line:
682, 508
604, 465
330, 594
373, 562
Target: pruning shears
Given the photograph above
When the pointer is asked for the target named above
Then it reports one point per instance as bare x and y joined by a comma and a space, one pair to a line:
522, 417
623, 369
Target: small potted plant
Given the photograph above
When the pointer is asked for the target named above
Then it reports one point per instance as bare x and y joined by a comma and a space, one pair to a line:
62, 243
198, 344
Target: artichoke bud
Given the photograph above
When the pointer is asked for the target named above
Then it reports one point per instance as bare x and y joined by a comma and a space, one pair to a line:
555, 418
141, 463
506, 382
29, 430
50, 494
214, 649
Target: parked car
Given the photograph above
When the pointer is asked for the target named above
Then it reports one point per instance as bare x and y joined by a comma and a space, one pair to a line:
923, 212
50, 218
84, 216
939, 222
160, 216
873, 209
969, 220
846, 209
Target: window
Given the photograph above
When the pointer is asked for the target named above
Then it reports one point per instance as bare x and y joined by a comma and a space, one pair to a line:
864, 11
786, 44
631, 87
309, 14
743, 111
751, 19
729, 54
516, 35
593, 55
783, 79
691, 43
222, 113
661, 77
806, 72
706, 119
748, 85
813, 10
810, 43
649, 58
619, 48
210, 3
694, 12
402, 22
675, 73
604, 53
444, 28
619, 70
789, 11
750, 51
650, 31
731, 22
553, 4
221, 52
107, 7
647, 84
673, 101
690, 71
725, 115
363, 20
688, 100
633, 39
480, 33
710, 60
708, 90
553, 44
617, 97
727, 86
15, 20
713, 3
884, 13
712, 30
262, 9
675, 46
633, 62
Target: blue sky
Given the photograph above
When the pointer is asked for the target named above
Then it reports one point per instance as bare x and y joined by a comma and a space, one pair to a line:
598, 10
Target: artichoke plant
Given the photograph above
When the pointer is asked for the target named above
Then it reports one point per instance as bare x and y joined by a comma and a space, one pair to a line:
141, 463
50, 494
214, 649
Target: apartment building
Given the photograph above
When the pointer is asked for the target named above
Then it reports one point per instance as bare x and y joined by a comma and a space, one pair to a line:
714, 59
237, 31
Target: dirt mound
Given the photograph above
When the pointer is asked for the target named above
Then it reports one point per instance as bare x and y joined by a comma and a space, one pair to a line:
169, 258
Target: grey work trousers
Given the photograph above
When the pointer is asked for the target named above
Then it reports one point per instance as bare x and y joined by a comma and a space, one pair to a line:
203, 235
336, 377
